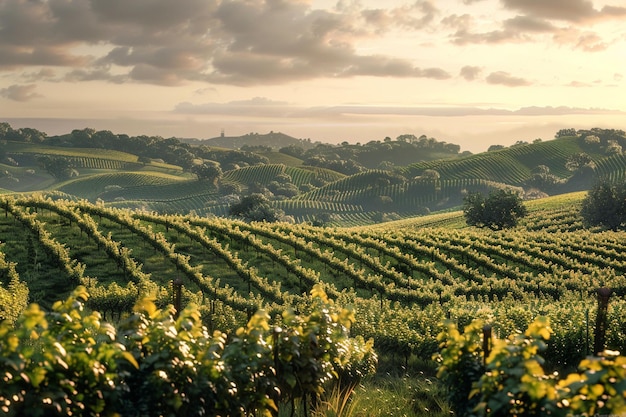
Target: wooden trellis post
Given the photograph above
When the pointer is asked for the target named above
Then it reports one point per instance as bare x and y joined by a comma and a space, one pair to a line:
601, 320
177, 286
486, 342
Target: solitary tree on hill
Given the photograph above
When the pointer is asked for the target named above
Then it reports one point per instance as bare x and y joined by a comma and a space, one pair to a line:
500, 210
605, 205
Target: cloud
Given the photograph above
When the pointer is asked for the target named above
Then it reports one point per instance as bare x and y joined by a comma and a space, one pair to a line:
528, 24
417, 15
20, 92
504, 78
255, 107
43, 74
572, 10
565, 10
578, 84
470, 73
567, 21
264, 107
516, 29
238, 42
587, 41
94, 74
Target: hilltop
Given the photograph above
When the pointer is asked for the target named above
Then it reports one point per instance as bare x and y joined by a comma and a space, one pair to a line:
272, 140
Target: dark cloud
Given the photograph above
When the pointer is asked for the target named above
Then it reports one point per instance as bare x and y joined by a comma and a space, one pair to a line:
540, 17
566, 10
244, 42
20, 92
504, 78
572, 10
417, 15
528, 24
517, 29
94, 74
237, 41
44, 74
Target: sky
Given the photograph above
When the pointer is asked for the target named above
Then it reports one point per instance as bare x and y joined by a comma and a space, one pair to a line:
470, 72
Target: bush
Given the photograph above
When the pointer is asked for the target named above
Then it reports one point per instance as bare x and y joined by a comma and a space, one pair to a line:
512, 381
68, 362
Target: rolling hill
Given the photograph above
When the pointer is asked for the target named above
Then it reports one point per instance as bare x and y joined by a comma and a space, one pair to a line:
402, 278
129, 226
306, 193
273, 140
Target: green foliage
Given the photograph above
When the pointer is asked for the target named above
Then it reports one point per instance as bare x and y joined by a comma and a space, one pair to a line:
605, 205
68, 362
460, 364
59, 363
502, 209
514, 382
598, 389
565, 133
208, 171
14, 294
543, 179
256, 207
59, 167
579, 161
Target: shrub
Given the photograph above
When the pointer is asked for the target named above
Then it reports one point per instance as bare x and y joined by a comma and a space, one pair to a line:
514, 383
69, 362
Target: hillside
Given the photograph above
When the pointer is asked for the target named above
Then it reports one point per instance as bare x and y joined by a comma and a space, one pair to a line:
416, 271
323, 185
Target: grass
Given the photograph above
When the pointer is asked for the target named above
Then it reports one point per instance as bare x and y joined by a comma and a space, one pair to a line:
395, 391
14, 147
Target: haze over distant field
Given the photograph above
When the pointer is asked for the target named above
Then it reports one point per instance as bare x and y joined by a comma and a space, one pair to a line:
472, 72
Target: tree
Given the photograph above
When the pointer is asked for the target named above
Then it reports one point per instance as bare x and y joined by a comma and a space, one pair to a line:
256, 207
543, 179
59, 168
578, 161
565, 132
500, 210
407, 138
605, 205
208, 171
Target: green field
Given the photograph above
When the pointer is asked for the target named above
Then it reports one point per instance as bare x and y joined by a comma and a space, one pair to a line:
390, 244
418, 270
402, 278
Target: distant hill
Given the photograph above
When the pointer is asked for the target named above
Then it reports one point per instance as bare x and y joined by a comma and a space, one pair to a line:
338, 185
274, 140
